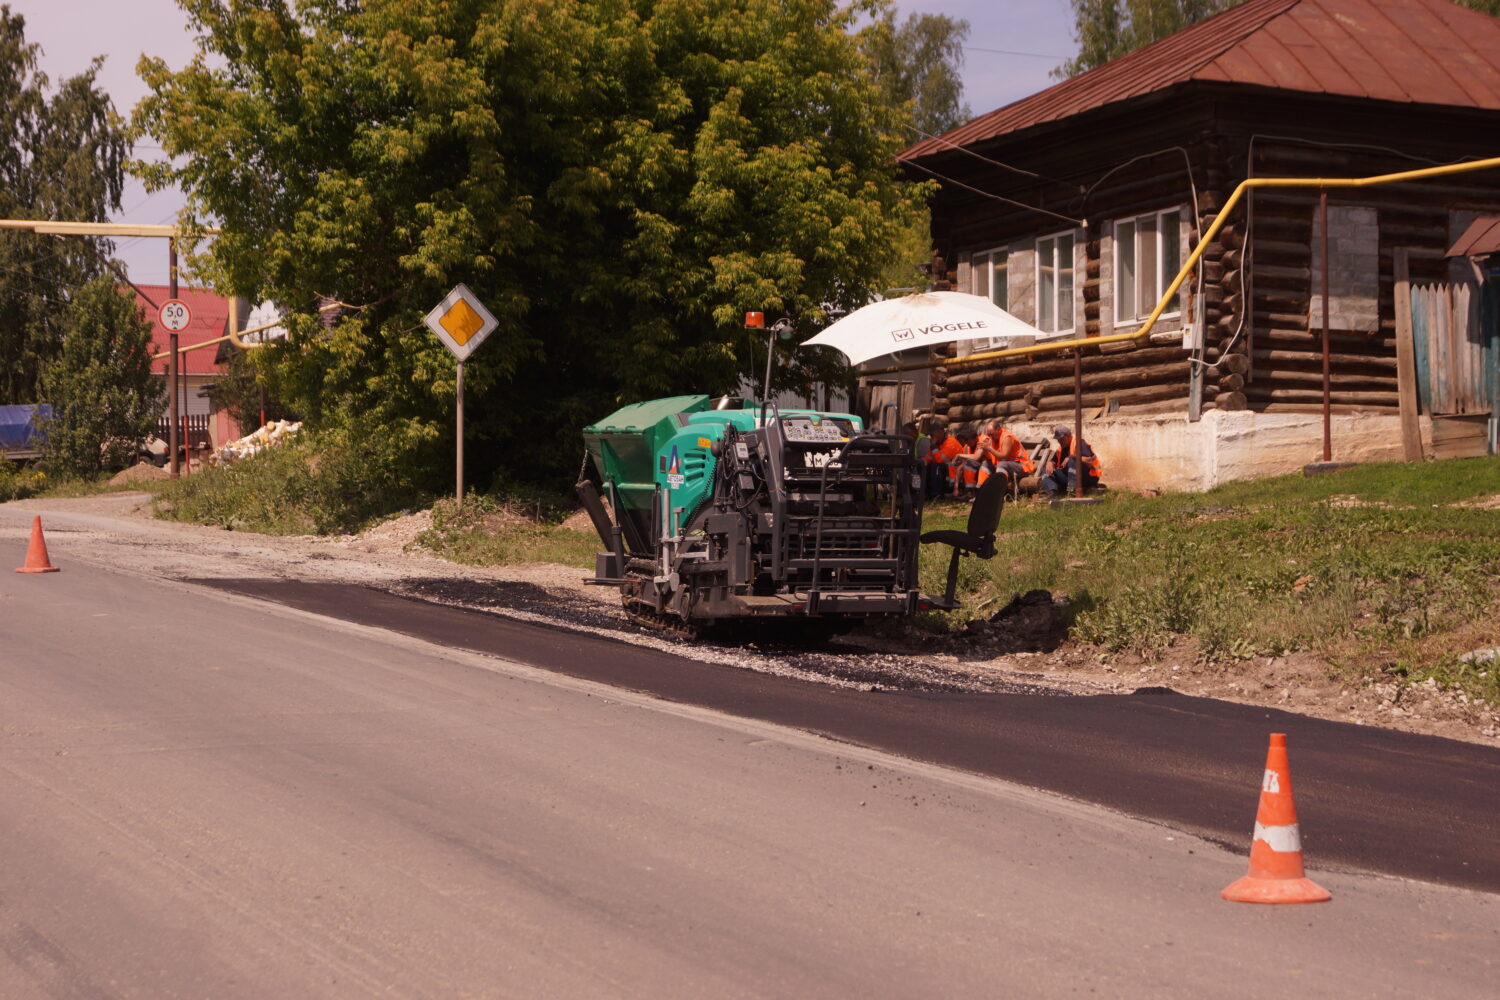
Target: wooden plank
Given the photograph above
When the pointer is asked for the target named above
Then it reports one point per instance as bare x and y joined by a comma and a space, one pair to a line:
1463, 367
1406, 364
1435, 303
1423, 360
1460, 437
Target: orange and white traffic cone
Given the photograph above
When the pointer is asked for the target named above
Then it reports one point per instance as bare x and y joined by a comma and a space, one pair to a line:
1276, 874
36, 553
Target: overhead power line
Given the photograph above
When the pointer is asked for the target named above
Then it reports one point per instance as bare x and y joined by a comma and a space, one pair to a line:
1012, 52
995, 197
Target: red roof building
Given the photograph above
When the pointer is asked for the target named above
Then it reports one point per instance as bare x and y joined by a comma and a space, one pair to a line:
1075, 207
209, 321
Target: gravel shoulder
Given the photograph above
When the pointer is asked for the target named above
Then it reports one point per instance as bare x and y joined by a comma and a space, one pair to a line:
1024, 652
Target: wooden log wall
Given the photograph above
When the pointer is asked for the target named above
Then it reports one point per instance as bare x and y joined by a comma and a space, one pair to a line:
1147, 378
1283, 338
1263, 330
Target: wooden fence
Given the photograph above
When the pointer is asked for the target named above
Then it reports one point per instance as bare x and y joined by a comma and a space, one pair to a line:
1455, 360
196, 435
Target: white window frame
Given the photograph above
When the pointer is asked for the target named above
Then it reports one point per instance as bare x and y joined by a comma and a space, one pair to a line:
1057, 298
982, 272
983, 262
1164, 254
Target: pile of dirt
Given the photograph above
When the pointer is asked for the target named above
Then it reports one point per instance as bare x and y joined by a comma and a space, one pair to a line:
1033, 622
140, 472
394, 534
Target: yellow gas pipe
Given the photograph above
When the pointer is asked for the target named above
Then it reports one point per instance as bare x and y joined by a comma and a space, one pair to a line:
1213, 230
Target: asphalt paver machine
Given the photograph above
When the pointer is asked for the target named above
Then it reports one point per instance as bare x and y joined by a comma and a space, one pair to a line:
723, 510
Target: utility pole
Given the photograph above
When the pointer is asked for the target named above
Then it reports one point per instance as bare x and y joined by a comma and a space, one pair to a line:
172, 361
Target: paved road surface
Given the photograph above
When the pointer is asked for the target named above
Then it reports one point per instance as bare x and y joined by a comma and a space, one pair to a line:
1373, 799
203, 796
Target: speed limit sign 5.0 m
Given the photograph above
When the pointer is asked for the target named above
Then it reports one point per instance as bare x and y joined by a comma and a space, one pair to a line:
175, 315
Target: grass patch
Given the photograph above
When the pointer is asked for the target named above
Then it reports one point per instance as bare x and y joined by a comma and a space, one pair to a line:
18, 482
69, 488
300, 487
504, 530
1372, 568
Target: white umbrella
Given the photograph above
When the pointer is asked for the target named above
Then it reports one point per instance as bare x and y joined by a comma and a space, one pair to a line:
919, 320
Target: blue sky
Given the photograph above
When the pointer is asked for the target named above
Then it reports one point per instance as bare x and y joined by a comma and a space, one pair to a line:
1012, 46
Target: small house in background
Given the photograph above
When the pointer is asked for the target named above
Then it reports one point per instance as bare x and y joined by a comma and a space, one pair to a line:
199, 368
1075, 207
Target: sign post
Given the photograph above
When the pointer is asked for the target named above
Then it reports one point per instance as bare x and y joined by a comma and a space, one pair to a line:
462, 323
175, 319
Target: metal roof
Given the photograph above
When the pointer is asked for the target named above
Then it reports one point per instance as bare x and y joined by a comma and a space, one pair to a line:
1413, 51
1481, 238
210, 319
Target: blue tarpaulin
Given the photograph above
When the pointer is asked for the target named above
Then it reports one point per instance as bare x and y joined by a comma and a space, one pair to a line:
20, 425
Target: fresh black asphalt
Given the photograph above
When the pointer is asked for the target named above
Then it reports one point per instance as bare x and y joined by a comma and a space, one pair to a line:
1373, 799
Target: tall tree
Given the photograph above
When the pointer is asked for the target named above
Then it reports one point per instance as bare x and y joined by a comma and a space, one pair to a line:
618, 180
62, 156
917, 63
1490, 7
1107, 29
104, 398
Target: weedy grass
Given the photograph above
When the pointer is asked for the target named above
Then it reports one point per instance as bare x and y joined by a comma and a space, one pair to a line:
300, 487
21, 482
512, 527
1379, 569
95, 487
18, 482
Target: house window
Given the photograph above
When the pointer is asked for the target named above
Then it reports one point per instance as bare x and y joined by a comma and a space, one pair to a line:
992, 276
1353, 267
1148, 255
1054, 283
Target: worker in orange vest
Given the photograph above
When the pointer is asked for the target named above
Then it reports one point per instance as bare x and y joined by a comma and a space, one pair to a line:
1005, 453
969, 461
1063, 477
937, 477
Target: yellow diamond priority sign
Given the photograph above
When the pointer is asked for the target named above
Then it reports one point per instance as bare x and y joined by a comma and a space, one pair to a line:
461, 322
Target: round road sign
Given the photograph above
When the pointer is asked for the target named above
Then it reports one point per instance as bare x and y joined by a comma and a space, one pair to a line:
175, 315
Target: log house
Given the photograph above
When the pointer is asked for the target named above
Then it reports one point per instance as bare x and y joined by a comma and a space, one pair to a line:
1074, 207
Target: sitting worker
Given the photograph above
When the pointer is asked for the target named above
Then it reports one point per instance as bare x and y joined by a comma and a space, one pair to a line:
1063, 479
971, 465
936, 476
1006, 454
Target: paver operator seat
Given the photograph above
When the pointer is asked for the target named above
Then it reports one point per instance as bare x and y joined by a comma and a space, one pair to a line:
978, 538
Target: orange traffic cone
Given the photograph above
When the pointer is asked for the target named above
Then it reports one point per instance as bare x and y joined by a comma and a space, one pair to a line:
1276, 874
36, 553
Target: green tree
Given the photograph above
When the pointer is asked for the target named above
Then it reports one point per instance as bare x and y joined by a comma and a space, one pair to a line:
619, 181
1107, 29
917, 63
1490, 7
62, 156
241, 392
104, 398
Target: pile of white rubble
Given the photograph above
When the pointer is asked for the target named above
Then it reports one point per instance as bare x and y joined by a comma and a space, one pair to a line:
271, 434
